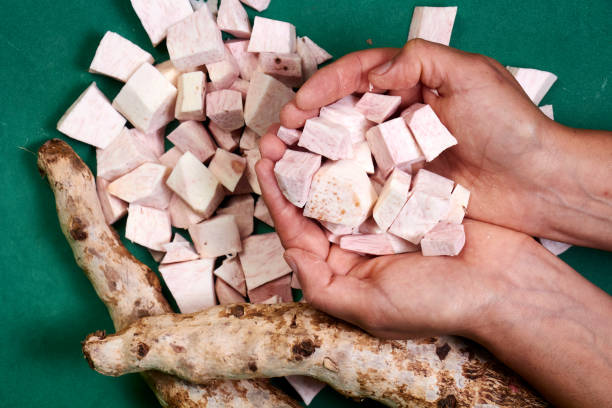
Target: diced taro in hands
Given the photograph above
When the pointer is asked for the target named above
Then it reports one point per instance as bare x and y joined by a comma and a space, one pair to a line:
326, 138
262, 259
376, 244
342, 193
217, 236
191, 284
145, 185
294, 172
91, 119
419, 215
362, 155
118, 57
392, 145
272, 36
433, 24
376, 107
147, 99
196, 185
289, 136
391, 199
431, 183
431, 134
343, 113
443, 239
148, 227
459, 200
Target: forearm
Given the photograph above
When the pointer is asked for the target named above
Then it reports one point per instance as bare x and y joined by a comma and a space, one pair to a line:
577, 189
553, 327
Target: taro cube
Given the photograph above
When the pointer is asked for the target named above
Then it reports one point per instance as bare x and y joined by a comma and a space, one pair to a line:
169, 71
148, 227
242, 207
288, 136
123, 155
376, 244
91, 119
262, 259
326, 138
231, 273
555, 247
344, 113
225, 109
306, 387
227, 168
362, 155
433, 24
196, 185
191, 96
147, 99
226, 295
232, 18
443, 239
217, 236
179, 252
146, 185
181, 214
431, 183
252, 157
376, 107
391, 199
171, 157
262, 213
112, 207
392, 145
294, 172
338, 229
431, 134
223, 73
264, 101
249, 139
287, 68
548, 111
272, 36
195, 41
342, 193
247, 61
280, 287
118, 57
226, 139
241, 86
191, 284
534, 82
419, 215
157, 16
259, 5
191, 136
319, 53
154, 140
458, 205
308, 60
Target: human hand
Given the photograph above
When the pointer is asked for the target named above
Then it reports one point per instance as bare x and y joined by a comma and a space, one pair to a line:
503, 156
402, 295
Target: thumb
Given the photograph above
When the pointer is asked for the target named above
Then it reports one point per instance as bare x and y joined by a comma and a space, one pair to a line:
342, 296
420, 61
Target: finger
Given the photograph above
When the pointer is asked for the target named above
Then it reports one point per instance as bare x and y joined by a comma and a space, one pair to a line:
293, 117
434, 65
271, 147
409, 96
342, 261
347, 75
339, 295
294, 230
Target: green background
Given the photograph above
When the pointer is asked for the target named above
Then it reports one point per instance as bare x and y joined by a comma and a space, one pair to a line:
45, 50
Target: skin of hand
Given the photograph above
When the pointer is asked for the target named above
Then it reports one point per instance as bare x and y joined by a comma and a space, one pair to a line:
503, 290
525, 171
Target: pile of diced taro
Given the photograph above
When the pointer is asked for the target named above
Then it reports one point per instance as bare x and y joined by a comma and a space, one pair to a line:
226, 95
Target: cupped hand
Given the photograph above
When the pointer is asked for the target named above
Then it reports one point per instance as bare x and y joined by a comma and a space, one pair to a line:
504, 156
396, 296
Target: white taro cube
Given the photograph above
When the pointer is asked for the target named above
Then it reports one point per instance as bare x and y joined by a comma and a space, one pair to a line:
342, 193
443, 239
433, 24
123, 155
145, 185
535, 83
392, 145
112, 207
118, 57
216, 236
430, 133
377, 107
242, 207
419, 215
157, 16
233, 19
326, 138
392, 199
294, 172
91, 119
265, 99
231, 272
228, 168
262, 259
181, 214
191, 284
191, 96
148, 227
196, 185
147, 99
247, 61
225, 109
191, 136
272, 36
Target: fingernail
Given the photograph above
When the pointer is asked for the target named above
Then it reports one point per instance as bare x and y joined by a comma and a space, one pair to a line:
381, 70
291, 262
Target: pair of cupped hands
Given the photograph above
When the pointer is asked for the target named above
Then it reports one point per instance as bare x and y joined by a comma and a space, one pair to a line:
505, 157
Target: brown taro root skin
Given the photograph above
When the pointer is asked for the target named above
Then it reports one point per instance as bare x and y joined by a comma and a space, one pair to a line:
256, 340
129, 289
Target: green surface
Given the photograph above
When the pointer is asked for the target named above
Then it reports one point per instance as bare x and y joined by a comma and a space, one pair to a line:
45, 50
